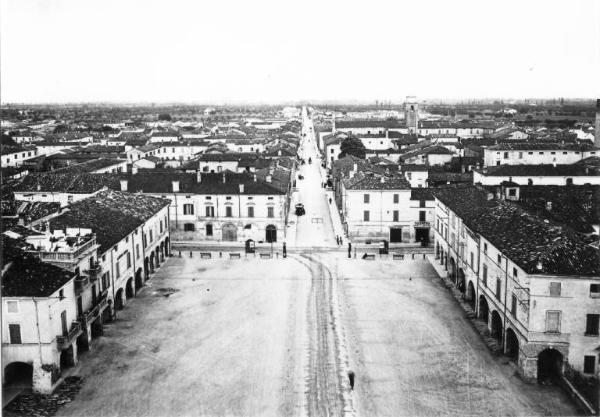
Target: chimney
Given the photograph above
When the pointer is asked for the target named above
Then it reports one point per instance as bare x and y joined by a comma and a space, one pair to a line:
382, 180
241, 188
134, 169
254, 177
549, 205
123, 185
355, 167
224, 179
268, 178
175, 186
198, 176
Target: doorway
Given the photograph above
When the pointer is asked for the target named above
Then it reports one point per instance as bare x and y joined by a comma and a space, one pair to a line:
395, 234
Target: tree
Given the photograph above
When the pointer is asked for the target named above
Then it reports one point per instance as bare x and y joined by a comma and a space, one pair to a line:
353, 146
164, 116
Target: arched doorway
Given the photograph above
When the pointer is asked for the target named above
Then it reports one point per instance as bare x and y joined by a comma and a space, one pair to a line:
271, 233
452, 269
460, 280
67, 358
162, 251
550, 363
167, 247
484, 309
139, 282
18, 375
496, 328
471, 294
512, 345
152, 266
146, 268
229, 232
129, 292
119, 299
157, 257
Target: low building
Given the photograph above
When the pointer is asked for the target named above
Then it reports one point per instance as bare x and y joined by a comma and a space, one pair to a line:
574, 174
533, 282
537, 153
13, 156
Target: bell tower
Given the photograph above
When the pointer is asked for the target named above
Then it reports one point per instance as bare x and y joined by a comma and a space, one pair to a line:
411, 114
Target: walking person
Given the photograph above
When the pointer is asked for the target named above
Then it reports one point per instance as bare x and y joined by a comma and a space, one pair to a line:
341, 241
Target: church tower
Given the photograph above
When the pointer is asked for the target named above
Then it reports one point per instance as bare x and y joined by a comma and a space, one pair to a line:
411, 114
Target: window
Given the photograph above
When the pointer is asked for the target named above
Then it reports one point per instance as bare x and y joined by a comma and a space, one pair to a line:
12, 306
595, 290
128, 259
250, 211
210, 211
512, 192
421, 203
209, 229
589, 364
396, 198
555, 289
228, 211
161, 227
396, 215
591, 324
515, 273
505, 155
366, 198
422, 215
513, 306
366, 215
61, 293
270, 212
569, 181
520, 155
137, 251
151, 236
529, 181
498, 288
553, 321
541, 153
228, 197
189, 227
499, 259
472, 260
485, 248
485, 275
117, 269
530, 153
188, 209
15, 333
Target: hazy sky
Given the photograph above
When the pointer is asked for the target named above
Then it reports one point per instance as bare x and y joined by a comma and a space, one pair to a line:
255, 50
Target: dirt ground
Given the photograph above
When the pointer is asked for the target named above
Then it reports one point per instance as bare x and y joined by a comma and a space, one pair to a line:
277, 338
415, 354
229, 340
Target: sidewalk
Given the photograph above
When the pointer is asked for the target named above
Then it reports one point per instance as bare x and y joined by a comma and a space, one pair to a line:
479, 325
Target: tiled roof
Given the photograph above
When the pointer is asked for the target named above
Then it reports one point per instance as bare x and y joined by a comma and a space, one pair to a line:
111, 215
374, 123
370, 181
90, 166
423, 193
524, 238
228, 156
74, 183
27, 276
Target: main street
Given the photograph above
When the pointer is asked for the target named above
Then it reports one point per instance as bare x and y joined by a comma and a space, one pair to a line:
266, 337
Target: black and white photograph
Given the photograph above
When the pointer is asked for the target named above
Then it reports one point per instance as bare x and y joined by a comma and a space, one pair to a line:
313, 208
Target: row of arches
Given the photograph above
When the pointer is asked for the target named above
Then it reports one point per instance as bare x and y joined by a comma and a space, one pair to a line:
549, 361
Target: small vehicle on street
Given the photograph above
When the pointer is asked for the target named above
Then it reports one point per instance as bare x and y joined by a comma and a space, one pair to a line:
300, 209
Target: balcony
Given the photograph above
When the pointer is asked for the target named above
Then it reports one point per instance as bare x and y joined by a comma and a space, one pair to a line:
94, 272
64, 342
81, 283
91, 315
65, 254
548, 337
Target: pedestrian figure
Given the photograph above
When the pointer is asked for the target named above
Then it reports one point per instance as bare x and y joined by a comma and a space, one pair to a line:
351, 378
329, 200
190, 254
341, 241
180, 254
284, 250
349, 250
